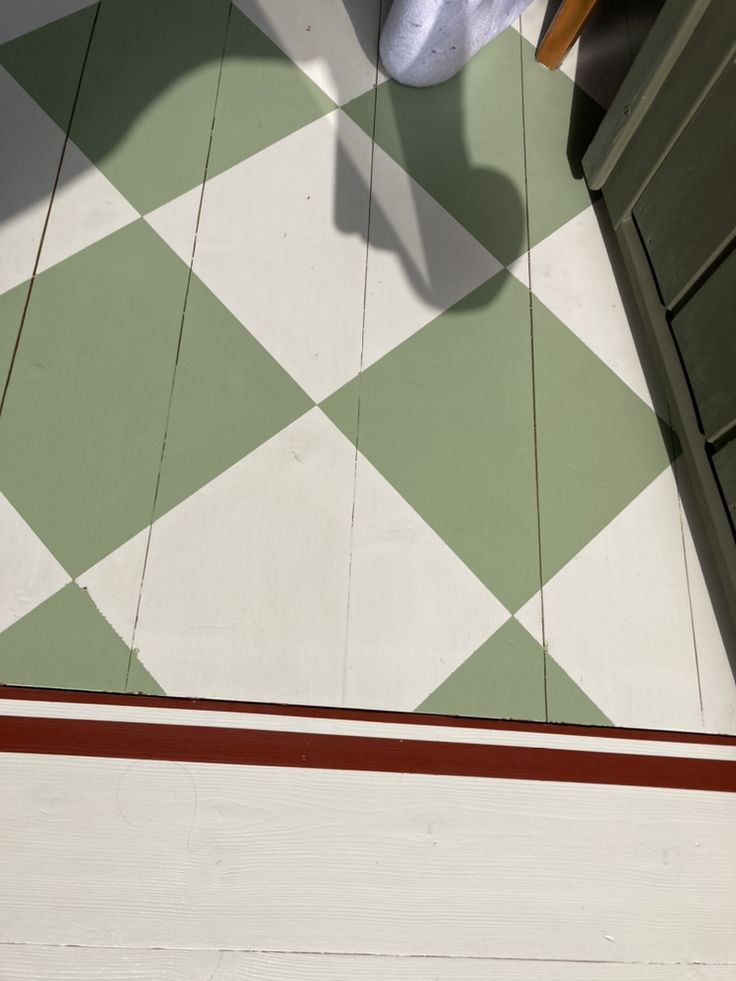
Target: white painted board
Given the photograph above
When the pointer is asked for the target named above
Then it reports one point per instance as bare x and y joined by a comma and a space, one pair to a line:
121, 853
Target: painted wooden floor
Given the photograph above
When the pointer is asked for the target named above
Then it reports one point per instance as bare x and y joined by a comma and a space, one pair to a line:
320, 390
159, 838
316, 390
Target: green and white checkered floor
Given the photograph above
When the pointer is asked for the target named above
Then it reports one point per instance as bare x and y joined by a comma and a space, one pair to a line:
319, 389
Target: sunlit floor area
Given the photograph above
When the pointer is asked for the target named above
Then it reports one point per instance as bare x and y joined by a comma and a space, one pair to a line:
320, 390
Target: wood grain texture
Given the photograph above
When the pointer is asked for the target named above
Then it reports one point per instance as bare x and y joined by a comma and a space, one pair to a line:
121, 853
91, 964
563, 31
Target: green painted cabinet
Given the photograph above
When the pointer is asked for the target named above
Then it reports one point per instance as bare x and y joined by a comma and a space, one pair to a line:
665, 161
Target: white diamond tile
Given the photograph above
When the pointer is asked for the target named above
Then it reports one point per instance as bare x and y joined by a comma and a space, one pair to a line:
245, 594
246, 588
21, 16
334, 42
29, 573
572, 276
617, 617
282, 243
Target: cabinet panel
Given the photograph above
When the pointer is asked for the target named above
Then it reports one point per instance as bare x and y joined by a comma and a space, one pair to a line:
687, 212
705, 331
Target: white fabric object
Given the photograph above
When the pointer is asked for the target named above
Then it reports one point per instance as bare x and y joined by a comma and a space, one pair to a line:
425, 42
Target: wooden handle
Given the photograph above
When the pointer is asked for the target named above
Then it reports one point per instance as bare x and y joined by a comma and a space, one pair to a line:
563, 31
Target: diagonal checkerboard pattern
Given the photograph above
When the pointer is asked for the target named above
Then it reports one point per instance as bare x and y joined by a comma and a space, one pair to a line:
319, 389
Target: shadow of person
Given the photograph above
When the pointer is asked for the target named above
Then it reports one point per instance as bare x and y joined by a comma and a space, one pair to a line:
424, 131
427, 255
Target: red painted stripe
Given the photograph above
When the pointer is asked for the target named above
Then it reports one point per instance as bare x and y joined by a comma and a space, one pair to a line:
204, 744
360, 715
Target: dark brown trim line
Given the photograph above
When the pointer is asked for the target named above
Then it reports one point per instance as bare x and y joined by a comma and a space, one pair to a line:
359, 715
251, 747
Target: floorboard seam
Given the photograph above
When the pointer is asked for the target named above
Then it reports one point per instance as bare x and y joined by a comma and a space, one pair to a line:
364, 953
178, 351
362, 351
533, 373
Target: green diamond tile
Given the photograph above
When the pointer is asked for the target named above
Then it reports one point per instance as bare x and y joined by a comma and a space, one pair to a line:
503, 679
599, 445
144, 113
11, 305
81, 432
463, 142
66, 643
48, 62
447, 419
83, 426
263, 97
567, 702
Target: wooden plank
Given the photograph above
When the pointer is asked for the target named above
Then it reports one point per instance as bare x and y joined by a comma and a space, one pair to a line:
33, 149
180, 744
563, 31
146, 711
705, 331
261, 858
26, 963
714, 634
690, 46
725, 465
21, 16
687, 213
523, 732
